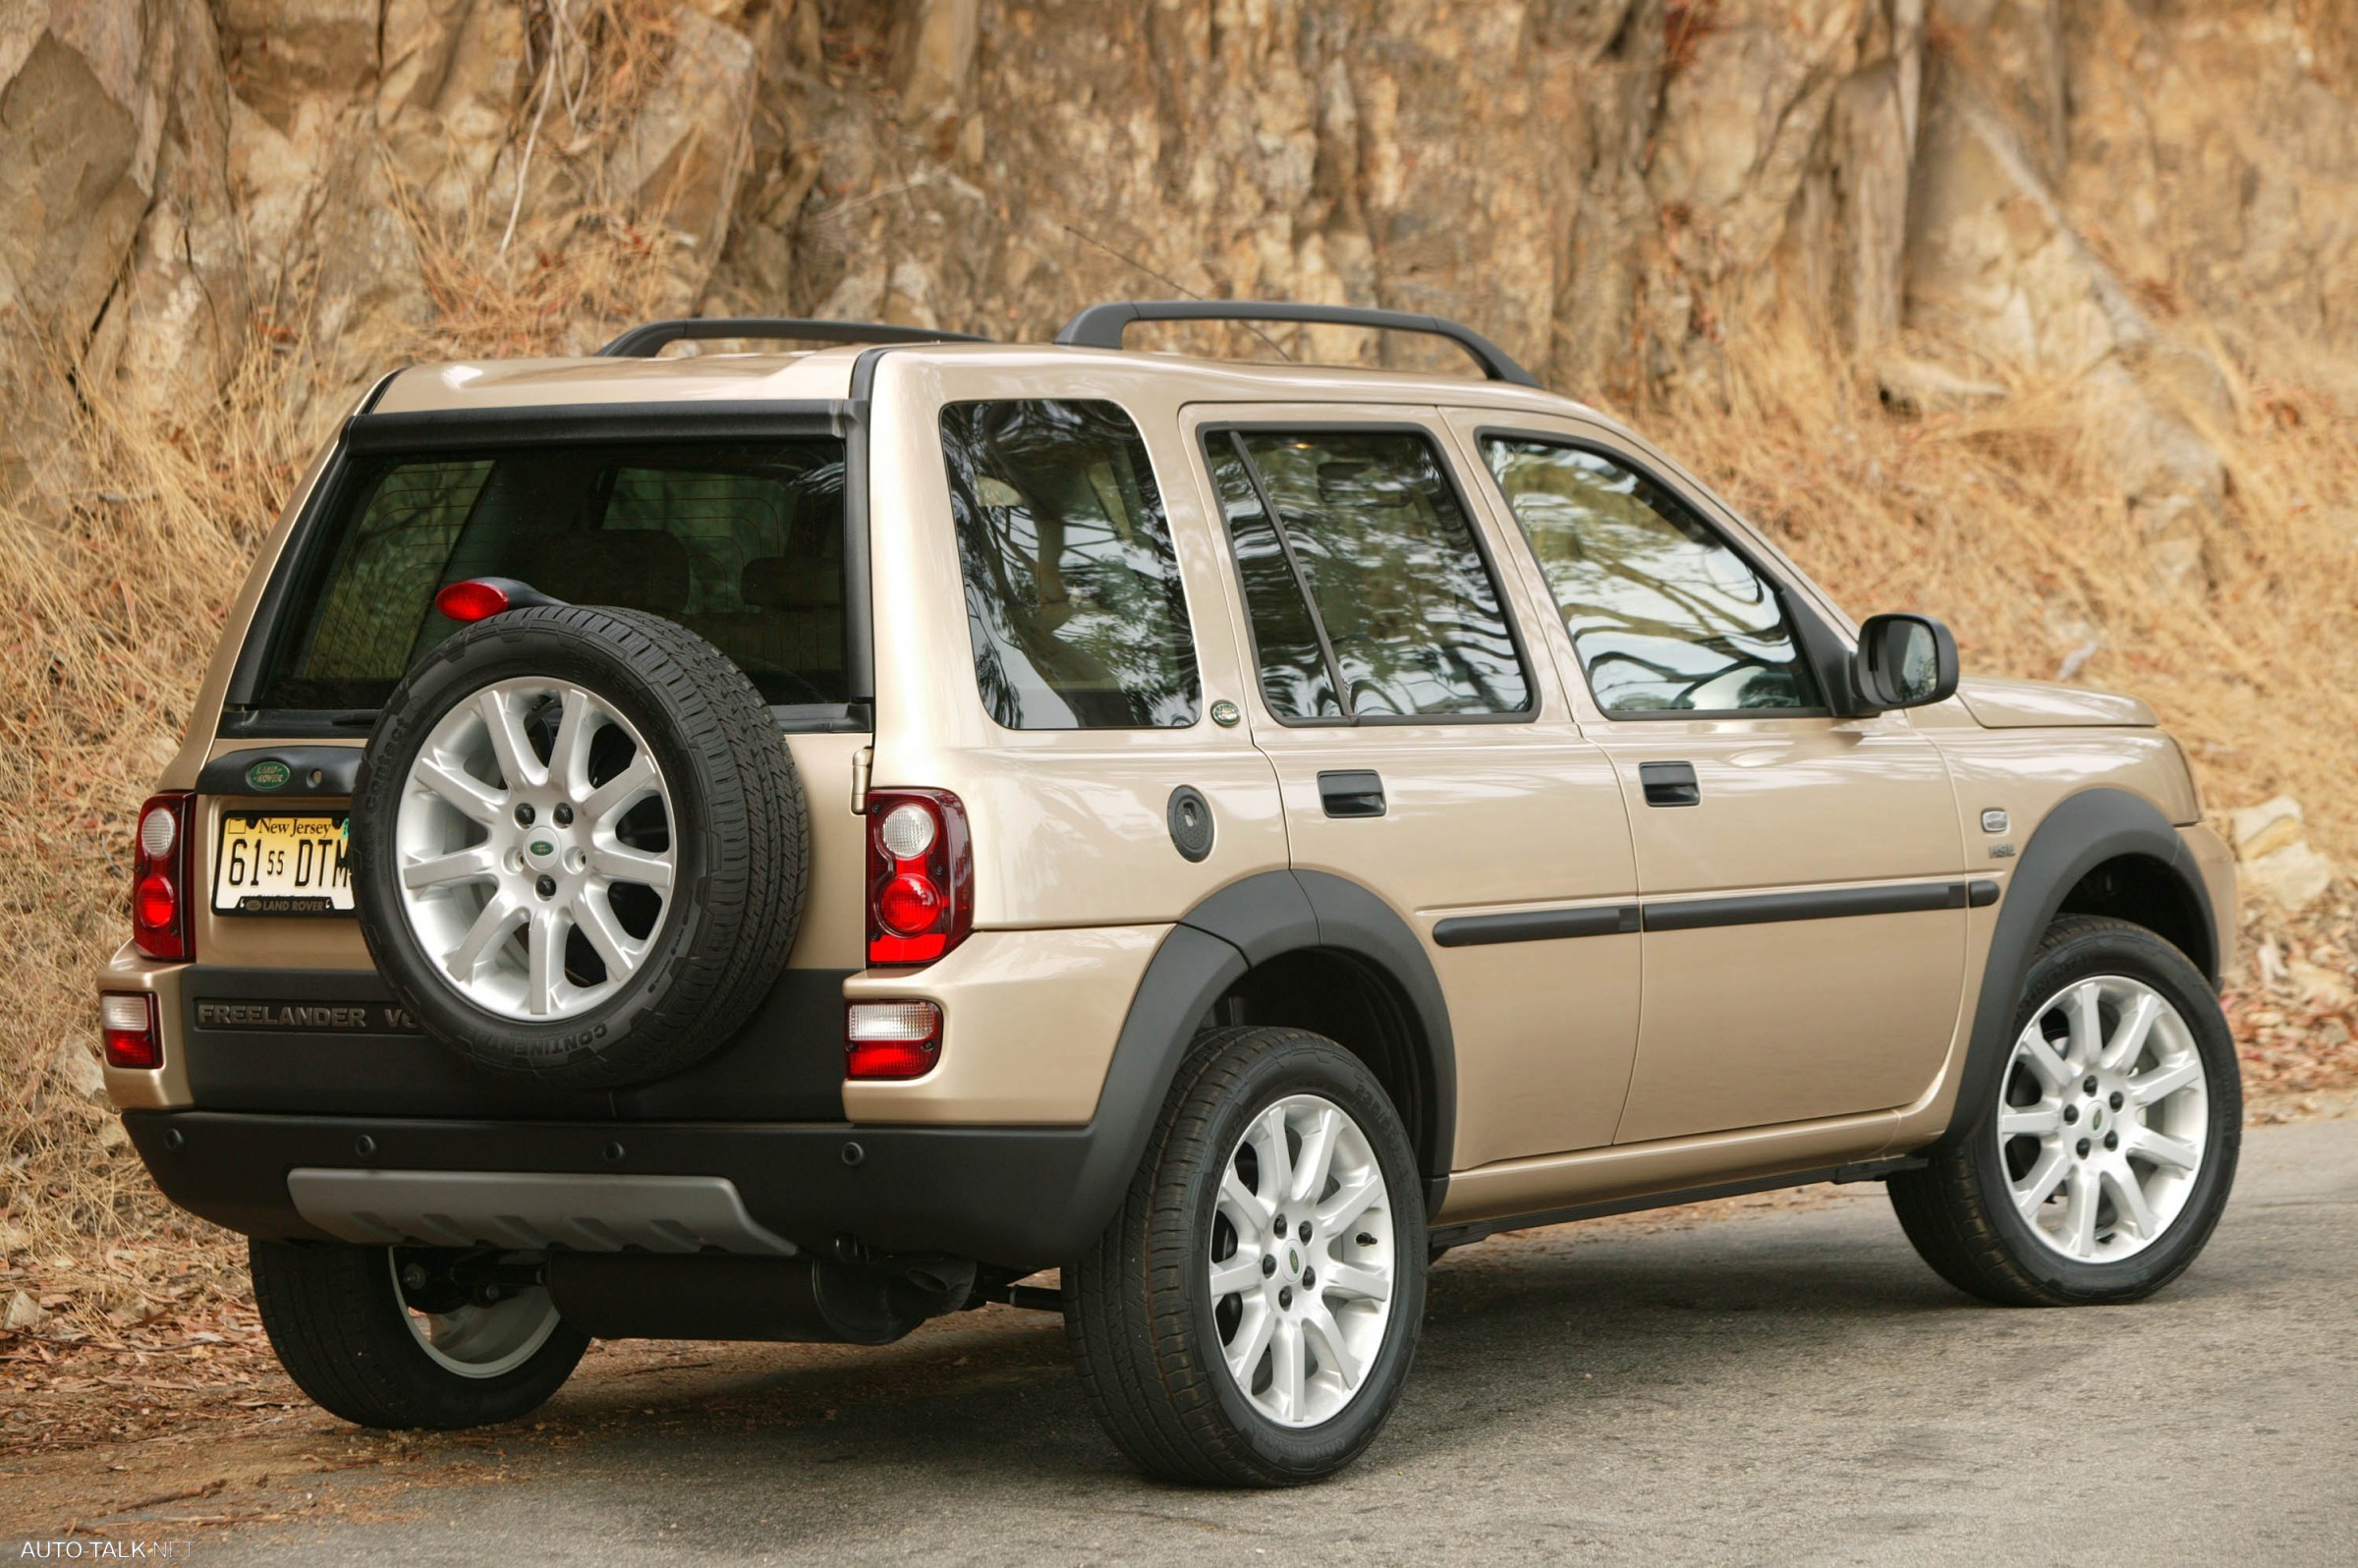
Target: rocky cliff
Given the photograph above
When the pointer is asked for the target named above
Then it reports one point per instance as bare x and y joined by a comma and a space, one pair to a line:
1618, 190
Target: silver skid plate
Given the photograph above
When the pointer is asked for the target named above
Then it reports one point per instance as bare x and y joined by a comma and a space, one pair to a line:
530, 1212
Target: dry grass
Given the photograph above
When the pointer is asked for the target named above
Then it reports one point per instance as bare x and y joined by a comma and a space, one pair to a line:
115, 586
112, 614
1998, 520
1994, 519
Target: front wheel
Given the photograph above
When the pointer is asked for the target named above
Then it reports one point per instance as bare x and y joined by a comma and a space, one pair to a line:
1249, 1317
412, 1336
2103, 1160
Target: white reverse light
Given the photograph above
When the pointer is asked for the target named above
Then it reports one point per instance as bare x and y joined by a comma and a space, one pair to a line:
156, 831
909, 830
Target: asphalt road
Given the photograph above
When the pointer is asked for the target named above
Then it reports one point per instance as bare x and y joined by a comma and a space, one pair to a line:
1783, 1386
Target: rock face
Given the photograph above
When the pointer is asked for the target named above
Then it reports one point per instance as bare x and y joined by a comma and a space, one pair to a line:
120, 254
1610, 188
2273, 858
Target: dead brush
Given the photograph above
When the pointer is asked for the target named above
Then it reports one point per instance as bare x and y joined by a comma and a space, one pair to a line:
114, 595
2000, 519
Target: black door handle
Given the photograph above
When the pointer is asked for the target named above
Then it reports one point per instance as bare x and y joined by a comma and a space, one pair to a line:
1354, 792
1670, 784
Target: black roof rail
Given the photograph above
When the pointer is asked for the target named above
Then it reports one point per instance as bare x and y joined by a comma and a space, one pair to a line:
644, 342
1100, 326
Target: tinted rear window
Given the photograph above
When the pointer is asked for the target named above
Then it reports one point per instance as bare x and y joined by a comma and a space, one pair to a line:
1073, 602
740, 541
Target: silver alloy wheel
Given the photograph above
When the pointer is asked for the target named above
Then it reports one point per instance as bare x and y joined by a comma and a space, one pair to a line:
479, 1339
1302, 1260
504, 855
2104, 1120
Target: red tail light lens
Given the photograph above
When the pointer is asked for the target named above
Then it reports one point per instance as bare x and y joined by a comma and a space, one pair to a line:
891, 1039
128, 1021
160, 862
471, 601
921, 873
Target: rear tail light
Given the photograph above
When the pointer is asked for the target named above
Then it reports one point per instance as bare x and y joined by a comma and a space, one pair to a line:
920, 874
160, 869
128, 1021
891, 1039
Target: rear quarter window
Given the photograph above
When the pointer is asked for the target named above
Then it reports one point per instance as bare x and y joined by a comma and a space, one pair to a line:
1073, 600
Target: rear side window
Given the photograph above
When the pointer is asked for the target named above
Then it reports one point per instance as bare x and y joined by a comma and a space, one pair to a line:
1073, 600
740, 541
1296, 676
1368, 593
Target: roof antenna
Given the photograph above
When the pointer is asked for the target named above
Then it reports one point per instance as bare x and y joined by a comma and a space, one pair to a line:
1174, 283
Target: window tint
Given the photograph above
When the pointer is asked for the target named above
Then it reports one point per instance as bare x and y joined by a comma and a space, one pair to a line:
1073, 600
1387, 557
1295, 677
740, 541
1665, 616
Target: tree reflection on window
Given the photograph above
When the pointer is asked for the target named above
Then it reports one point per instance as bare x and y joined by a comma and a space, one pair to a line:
1662, 614
1073, 600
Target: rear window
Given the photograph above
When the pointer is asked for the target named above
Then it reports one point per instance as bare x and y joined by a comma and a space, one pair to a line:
1073, 600
740, 541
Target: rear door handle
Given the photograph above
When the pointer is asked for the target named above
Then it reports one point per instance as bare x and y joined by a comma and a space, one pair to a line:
1353, 792
1670, 784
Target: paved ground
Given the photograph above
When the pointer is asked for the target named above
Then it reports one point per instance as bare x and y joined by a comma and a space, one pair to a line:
1786, 1387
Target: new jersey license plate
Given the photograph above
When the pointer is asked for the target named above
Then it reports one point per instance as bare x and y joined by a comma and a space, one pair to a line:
283, 863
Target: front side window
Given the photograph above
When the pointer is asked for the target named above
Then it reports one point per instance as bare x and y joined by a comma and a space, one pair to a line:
740, 541
1368, 595
1665, 616
1073, 600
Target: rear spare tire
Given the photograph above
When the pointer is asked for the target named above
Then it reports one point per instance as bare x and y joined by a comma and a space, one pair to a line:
579, 845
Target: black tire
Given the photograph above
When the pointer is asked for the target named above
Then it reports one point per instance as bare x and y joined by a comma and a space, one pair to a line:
1959, 1211
336, 1318
1140, 1317
742, 843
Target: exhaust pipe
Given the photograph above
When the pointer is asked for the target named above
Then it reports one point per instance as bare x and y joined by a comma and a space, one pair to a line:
723, 1296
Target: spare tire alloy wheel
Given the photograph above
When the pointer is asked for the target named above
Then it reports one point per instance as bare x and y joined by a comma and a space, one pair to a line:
504, 884
1301, 1260
2104, 1120
580, 848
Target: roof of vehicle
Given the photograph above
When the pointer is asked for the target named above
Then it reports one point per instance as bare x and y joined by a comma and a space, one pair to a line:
825, 375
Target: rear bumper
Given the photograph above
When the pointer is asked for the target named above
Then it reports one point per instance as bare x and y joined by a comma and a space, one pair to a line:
997, 1194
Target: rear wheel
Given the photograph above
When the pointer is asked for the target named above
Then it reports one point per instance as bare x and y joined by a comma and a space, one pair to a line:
1249, 1317
397, 1336
2102, 1163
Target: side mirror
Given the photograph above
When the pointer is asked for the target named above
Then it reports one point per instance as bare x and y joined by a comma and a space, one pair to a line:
1904, 661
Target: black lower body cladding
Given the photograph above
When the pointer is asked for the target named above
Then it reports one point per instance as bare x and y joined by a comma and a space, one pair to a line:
730, 836
1004, 1196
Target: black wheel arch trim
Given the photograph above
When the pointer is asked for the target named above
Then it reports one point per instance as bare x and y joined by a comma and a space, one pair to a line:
2080, 833
1242, 925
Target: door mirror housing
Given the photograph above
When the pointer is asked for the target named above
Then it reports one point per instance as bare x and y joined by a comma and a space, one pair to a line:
1903, 661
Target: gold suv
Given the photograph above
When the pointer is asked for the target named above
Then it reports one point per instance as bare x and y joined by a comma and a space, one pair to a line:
788, 845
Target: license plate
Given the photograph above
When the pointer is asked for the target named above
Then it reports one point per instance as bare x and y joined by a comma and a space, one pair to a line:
283, 863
